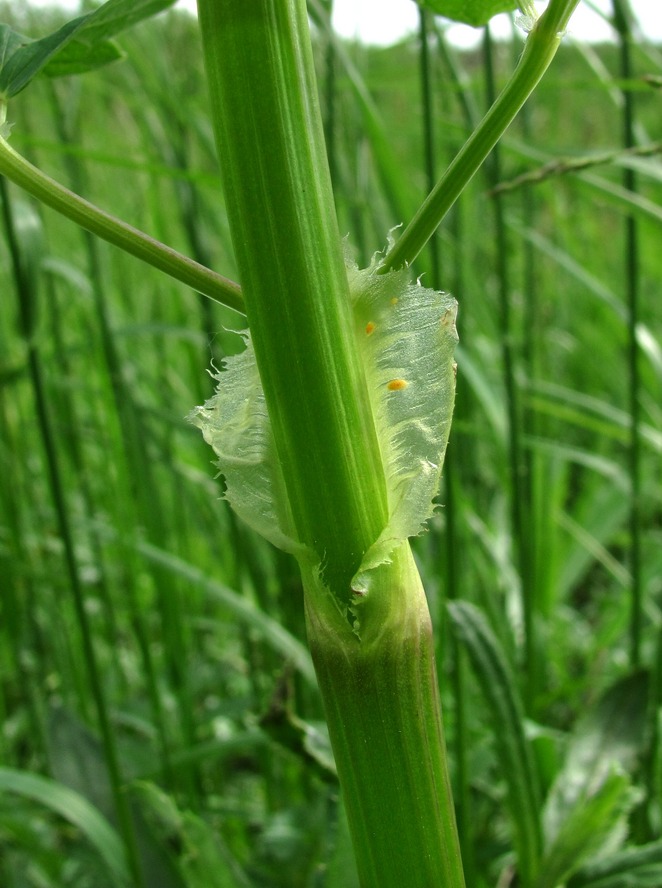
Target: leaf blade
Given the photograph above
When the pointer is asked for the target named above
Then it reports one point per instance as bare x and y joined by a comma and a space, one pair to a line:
469, 12
81, 44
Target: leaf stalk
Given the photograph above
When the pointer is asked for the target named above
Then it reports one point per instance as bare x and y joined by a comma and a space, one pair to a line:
106, 226
539, 50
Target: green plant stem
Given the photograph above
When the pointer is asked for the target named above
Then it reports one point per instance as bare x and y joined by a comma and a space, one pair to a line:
448, 557
622, 18
282, 217
120, 234
427, 108
515, 758
330, 105
540, 48
379, 689
132, 436
382, 707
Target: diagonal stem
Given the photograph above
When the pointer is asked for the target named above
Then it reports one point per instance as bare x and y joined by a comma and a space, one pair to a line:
540, 49
115, 231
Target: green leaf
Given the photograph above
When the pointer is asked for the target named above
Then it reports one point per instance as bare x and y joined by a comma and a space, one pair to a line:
470, 12
92, 46
74, 808
593, 823
80, 45
585, 812
77, 760
23, 58
405, 337
78, 58
639, 867
116, 16
610, 733
10, 42
203, 859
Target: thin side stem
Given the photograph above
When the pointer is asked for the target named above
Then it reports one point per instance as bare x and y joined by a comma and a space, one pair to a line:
120, 234
540, 48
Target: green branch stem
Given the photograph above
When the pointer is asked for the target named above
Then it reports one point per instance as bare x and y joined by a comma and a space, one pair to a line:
24, 174
540, 49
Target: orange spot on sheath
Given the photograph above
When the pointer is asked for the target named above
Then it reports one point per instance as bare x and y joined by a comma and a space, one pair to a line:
369, 328
394, 300
397, 385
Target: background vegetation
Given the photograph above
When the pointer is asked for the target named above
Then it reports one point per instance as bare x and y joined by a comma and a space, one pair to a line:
129, 589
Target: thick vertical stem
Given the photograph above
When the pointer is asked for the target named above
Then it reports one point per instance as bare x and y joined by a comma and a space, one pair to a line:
379, 689
280, 205
382, 706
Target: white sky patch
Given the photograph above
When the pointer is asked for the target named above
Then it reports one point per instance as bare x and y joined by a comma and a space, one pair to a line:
367, 21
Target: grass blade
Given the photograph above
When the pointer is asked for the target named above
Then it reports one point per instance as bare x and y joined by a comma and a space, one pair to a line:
500, 692
74, 808
270, 629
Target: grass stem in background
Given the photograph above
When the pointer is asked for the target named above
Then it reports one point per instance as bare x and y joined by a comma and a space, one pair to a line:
622, 17
25, 262
518, 500
451, 543
132, 436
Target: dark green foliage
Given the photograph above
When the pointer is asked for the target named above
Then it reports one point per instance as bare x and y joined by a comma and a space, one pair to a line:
507, 714
80, 45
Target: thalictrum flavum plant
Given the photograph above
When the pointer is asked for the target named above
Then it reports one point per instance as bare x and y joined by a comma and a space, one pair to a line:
330, 428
